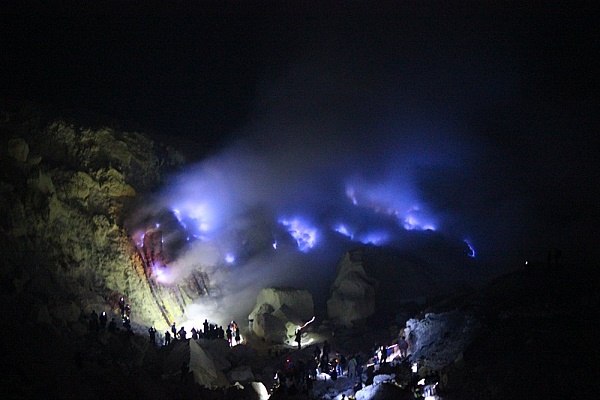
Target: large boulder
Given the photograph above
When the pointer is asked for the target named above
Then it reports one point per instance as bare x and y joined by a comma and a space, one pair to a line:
279, 311
197, 361
353, 292
440, 338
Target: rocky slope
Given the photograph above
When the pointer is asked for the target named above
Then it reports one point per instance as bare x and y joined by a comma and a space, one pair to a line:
63, 190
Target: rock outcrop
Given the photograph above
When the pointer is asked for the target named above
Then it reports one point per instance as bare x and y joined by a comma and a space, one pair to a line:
279, 312
440, 338
380, 280
353, 291
63, 192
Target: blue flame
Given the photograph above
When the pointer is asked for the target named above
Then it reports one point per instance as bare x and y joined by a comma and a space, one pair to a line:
376, 238
471, 248
344, 230
305, 235
395, 202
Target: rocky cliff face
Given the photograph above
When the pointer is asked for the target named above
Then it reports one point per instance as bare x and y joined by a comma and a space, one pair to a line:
63, 192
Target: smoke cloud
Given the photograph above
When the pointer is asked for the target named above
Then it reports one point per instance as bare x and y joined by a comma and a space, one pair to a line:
342, 151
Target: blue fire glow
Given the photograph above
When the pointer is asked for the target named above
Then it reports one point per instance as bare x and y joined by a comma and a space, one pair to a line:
382, 199
471, 248
376, 238
344, 230
305, 234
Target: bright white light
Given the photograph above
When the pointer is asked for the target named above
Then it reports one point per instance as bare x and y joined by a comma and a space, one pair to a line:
229, 258
275, 245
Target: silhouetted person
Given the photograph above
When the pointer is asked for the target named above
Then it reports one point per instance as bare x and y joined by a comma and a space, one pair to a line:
230, 336
326, 349
174, 330
112, 326
299, 338
359, 367
103, 320
403, 347
352, 368
238, 338
94, 324
343, 365
122, 306
317, 352
194, 334
152, 333
167, 338
182, 334
205, 326
383, 354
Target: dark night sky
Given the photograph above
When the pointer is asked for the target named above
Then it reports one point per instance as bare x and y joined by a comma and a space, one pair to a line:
515, 85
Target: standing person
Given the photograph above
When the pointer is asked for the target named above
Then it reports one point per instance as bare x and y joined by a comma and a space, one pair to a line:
167, 338
152, 333
94, 325
383, 354
238, 338
352, 368
205, 325
299, 338
317, 352
112, 326
403, 347
103, 320
122, 306
343, 365
359, 367
128, 311
229, 335
182, 334
174, 330
326, 349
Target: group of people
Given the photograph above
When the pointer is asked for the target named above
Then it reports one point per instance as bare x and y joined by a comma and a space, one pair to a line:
100, 322
298, 376
209, 331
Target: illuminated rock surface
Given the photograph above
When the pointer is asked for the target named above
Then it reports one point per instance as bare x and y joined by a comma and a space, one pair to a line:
63, 213
279, 311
